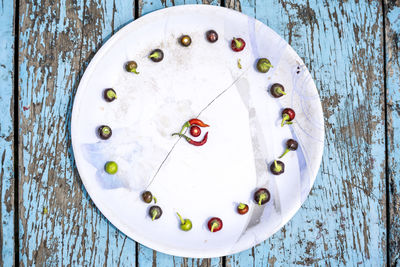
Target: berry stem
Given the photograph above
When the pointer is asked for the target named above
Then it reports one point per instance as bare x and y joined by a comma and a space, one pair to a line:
284, 153
180, 218
155, 54
237, 43
267, 64
262, 197
213, 226
280, 91
285, 117
277, 167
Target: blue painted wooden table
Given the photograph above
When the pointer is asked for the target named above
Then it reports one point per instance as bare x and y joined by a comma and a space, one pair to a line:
352, 214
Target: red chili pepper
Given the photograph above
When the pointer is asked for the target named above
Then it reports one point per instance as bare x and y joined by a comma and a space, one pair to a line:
193, 122
197, 122
191, 141
238, 44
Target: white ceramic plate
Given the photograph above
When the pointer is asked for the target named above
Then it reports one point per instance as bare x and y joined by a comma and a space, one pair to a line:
245, 135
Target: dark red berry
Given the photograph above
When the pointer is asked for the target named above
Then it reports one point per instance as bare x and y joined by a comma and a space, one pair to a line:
156, 55
155, 212
195, 131
104, 132
277, 90
212, 36
262, 196
238, 44
277, 167
109, 95
291, 145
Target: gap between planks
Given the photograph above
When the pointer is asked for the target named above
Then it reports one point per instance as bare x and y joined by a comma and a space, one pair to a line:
16, 132
387, 194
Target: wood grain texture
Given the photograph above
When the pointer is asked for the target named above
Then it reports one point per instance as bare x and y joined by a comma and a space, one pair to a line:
7, 134
147, 6
342, 223
392, 10
59, 225
147, 256
150, 258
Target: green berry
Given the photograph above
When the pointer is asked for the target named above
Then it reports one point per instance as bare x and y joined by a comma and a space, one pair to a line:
263, 65
186, 224
111, 167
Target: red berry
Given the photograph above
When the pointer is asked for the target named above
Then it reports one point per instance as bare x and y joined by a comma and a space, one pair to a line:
195, 131
242, 208
214, 224
238, 44
290, 112
288, 115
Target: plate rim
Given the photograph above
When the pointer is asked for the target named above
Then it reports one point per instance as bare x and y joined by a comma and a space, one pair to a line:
108, 214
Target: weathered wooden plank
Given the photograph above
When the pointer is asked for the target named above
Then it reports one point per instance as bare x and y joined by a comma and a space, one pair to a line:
59, 225
343, 220
7, 134
147, 256
151, 258
392, 23
147, 6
